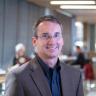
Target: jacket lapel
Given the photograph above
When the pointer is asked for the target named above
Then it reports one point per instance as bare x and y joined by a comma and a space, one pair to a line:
39, 79
66, 83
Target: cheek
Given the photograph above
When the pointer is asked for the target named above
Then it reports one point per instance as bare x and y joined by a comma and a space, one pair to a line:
40, 44
61, 42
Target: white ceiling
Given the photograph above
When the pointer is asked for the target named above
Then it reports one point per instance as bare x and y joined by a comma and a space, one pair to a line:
82, 15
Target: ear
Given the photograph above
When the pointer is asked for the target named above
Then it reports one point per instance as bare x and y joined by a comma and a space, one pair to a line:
34, 41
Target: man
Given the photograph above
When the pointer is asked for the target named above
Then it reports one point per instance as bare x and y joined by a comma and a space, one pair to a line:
45, 75
81, 60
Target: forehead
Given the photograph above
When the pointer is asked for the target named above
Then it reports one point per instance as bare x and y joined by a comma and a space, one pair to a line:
48, 26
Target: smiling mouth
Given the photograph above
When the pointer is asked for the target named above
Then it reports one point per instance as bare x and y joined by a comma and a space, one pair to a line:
51, 48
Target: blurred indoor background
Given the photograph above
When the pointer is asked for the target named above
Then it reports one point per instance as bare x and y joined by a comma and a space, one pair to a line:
17, 18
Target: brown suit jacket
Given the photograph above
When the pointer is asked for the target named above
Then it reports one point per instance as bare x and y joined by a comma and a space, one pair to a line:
29, 80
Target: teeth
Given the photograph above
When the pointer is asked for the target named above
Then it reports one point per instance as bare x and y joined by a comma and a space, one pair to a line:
51, 47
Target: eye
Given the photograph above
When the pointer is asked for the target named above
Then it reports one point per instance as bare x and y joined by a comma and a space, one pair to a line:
45, 35
57, 35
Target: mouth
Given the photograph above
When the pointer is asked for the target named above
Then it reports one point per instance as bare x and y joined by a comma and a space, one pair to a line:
52, 48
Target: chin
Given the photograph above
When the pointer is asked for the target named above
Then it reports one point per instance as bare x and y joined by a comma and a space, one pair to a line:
52, 55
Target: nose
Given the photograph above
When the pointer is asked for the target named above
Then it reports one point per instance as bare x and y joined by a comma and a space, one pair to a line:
51, 40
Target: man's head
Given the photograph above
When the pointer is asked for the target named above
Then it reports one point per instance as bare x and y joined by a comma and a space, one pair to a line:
47, 38
20, 50
78, 49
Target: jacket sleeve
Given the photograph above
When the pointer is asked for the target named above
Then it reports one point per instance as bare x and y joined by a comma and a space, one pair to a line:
13, 87
80, 91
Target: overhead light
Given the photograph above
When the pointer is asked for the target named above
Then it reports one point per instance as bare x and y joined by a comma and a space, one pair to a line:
77, 7
72, 2
64, 12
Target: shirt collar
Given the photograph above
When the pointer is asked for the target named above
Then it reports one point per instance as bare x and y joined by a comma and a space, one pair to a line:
46, 68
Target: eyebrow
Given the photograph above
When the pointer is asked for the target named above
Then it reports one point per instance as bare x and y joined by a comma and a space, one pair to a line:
45, 33
57, 33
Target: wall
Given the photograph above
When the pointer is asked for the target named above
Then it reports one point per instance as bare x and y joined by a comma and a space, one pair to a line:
16, 20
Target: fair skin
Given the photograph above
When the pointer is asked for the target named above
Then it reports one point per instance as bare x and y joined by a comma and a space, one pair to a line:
21, 52
49, 49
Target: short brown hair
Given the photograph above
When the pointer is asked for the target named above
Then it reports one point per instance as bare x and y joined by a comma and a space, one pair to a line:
46, 18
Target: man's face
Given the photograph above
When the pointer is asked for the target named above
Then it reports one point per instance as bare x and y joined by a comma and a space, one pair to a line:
49, 39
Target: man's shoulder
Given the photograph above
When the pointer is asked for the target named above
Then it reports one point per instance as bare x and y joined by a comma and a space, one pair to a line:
71, 69
19, 69
73, 74
23, 69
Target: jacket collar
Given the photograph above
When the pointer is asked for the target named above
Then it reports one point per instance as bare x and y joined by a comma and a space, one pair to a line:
39, 78
41, 82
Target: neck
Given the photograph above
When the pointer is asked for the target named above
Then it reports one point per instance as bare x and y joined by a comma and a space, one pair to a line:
51, 62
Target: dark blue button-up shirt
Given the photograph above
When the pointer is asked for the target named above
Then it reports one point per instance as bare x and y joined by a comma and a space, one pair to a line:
53, 77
